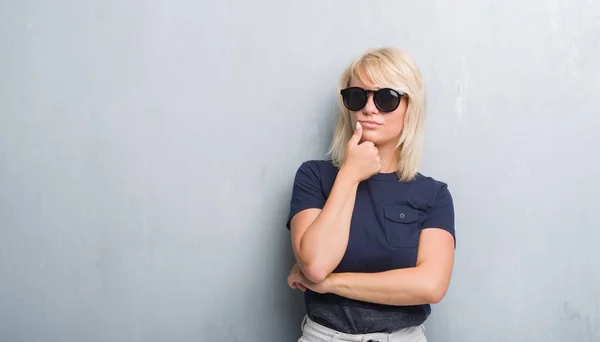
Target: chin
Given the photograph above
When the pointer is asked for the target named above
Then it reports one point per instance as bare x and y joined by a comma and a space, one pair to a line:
378, 140
374, 138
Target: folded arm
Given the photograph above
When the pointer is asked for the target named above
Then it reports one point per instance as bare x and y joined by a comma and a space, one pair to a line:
425, 283
320, 236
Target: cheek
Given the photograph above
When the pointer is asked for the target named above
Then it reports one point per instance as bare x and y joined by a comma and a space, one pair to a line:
395, 120
353, 119
394, 125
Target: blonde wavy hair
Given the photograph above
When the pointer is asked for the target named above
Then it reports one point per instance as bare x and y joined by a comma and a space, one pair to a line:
393, 68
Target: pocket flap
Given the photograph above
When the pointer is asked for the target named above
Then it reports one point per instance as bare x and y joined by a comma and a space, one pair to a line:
401, 214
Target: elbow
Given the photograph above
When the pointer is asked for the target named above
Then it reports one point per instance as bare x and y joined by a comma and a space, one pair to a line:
315, 273
312, 270
434, 285
434, 297
434, 294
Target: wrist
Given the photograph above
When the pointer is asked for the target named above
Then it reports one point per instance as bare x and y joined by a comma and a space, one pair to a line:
331, 283
347, 176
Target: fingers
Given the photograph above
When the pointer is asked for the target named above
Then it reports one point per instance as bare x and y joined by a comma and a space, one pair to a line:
355, 139
297, 285
294, 284
370, 145
295, 278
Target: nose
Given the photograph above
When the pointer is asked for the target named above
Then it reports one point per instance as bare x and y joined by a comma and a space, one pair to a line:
370, 107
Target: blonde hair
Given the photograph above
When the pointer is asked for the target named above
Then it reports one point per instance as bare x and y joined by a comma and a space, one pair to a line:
393, 68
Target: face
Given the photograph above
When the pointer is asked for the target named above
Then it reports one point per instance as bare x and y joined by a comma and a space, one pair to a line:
381, 128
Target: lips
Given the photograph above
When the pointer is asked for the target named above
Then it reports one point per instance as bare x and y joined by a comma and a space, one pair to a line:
369, 124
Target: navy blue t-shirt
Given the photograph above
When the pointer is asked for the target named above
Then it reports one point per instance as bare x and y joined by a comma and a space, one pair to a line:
386, 223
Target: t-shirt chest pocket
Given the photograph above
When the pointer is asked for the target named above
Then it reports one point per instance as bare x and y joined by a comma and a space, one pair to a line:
402, 226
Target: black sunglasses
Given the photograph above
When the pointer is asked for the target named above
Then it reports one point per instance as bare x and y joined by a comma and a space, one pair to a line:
386, 99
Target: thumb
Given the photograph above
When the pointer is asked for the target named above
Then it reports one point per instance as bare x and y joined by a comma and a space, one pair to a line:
355, 139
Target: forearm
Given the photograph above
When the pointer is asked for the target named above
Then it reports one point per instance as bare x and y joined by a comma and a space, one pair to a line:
408, 286
325, 241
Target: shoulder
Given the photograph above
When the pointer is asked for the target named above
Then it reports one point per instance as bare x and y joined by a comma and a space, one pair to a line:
434, 188
440, 205
317, 174
322, 164
312, 184
429, 182
317, 168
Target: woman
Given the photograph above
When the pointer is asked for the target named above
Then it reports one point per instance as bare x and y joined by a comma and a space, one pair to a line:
373, 238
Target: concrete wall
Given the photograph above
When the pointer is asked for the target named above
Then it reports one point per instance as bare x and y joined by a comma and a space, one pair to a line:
147, 150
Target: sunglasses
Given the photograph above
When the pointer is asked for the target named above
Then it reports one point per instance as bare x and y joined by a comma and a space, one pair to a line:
386, 99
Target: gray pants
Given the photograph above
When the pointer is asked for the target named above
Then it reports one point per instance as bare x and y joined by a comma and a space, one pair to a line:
313, 332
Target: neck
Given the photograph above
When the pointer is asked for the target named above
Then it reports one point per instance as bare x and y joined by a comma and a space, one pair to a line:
388, 157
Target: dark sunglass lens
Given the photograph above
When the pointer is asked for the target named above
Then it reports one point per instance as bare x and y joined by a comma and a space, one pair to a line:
387, 100
354, 99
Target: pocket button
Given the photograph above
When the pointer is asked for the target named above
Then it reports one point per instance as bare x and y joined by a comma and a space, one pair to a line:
402, 226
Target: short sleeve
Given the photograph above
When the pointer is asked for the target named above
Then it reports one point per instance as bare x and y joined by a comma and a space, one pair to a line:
441, 214
307, 191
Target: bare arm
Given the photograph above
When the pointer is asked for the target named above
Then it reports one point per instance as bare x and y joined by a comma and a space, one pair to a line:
320, 237
425, 283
